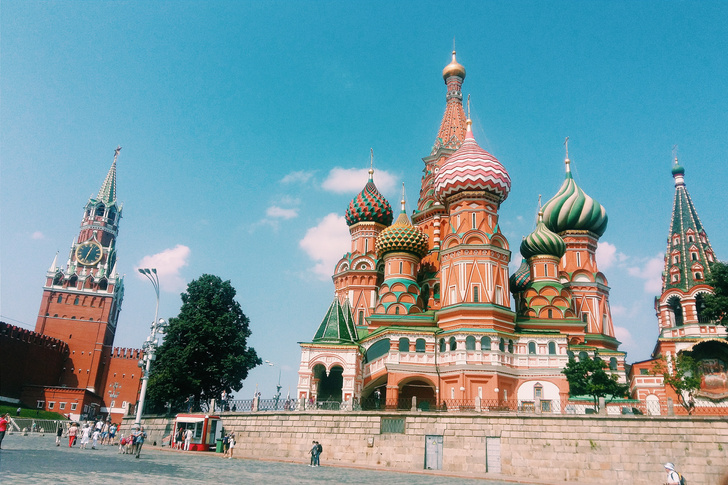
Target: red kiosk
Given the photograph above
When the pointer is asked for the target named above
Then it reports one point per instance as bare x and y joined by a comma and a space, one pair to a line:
206, 430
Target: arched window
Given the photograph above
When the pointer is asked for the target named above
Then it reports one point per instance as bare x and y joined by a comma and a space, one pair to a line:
550, 313
676, 309
453, 343
613, 363
698, 276
75, 302
361, 317
404, 344
436, 291
485, 343
502, 345
700, 307
420, 345
552, 348
442, 345
510, 346
469, 342
532, 348
537, 391
60, 299
476, 294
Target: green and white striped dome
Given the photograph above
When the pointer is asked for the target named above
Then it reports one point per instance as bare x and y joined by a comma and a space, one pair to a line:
572, 209
542, 242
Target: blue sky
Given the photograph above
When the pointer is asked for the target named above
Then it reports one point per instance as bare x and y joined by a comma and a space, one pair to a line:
246, 129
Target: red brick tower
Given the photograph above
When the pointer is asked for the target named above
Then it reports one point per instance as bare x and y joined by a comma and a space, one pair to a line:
81, 302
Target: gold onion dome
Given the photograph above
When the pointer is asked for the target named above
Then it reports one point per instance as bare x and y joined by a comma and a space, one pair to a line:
453, 69
402, 236
369, 206
542, 242
573, 210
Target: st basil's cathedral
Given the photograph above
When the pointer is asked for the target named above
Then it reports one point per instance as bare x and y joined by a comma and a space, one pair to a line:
426, 312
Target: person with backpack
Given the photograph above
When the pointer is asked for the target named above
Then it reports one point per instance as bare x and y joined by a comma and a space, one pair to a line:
673, 477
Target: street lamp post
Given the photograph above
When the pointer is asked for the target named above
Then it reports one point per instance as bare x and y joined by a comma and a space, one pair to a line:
278, 387
150, 345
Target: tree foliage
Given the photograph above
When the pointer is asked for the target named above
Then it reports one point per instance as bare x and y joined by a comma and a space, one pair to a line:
588, 377
716, 305
205, 350
682, 374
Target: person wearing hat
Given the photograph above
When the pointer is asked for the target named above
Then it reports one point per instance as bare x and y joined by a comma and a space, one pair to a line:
673, 477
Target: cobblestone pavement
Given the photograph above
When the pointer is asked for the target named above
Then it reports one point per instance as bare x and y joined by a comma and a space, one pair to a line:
36, 459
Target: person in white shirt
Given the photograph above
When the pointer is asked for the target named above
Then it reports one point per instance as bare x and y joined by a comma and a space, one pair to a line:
188, 438
673, 477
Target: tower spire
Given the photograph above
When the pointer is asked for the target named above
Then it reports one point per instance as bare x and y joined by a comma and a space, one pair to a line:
371, 164
567, 162
689, 253
107, 193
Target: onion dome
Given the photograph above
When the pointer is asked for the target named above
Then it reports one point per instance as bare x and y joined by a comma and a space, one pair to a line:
472, 168
521, 278
402, 236
453, 69
542, 242
572, 209
677, 169
369, 206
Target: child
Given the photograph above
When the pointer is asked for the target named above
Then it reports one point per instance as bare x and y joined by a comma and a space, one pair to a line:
96, 435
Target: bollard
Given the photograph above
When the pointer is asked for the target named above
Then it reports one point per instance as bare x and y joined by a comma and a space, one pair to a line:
478, 404
602, 406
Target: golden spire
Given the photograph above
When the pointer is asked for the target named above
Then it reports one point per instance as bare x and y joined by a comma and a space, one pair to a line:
371, 164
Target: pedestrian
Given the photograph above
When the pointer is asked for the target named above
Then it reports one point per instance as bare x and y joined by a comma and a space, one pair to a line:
85, 435
313, 452
188, 439
104, 432
319, 450
72, 431
139, 437
180, 439
673, 477
17, 411
4, 420
225, 445
59, 434
112, 434
232, 445
95, 436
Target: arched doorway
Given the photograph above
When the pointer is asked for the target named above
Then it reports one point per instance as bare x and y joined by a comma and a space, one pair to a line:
422, 390
330, 386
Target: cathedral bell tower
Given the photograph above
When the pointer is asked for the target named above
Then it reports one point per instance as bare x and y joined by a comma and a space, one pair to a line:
81, 302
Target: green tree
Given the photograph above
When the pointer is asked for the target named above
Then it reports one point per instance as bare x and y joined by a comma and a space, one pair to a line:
588, 377
682, 374
716, 305
205, 350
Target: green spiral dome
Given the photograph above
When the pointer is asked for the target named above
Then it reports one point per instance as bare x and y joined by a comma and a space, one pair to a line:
542, 242
402, 236
521, 278
572, 209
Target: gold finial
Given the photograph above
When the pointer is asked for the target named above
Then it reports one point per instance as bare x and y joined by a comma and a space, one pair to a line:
540, 209
468, 106
371, 164
567, 161
116, 152
674, 153
403, 197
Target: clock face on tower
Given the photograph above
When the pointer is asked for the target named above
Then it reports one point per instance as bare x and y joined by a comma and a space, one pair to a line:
89, 253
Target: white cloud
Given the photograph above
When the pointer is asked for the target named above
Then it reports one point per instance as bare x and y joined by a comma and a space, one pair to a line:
37, 235
168, 264
326, 243
624, 336
607, 255
348, 180
298, 177
281, 213
651, 272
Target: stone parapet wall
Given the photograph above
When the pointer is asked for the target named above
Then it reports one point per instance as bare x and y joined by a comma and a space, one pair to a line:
584, 449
